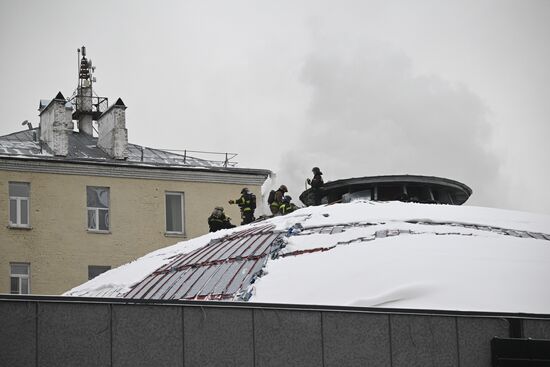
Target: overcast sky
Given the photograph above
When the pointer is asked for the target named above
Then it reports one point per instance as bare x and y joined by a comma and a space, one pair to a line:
458, 89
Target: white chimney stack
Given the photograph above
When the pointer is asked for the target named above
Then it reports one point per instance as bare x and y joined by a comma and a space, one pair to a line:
113, 135
56, 124
84, 103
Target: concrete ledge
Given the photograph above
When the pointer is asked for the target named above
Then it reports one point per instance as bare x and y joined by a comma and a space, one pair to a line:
240, 176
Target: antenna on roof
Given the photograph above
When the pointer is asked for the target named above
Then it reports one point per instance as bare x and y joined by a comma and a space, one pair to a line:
78, 64
26, 122
88, 106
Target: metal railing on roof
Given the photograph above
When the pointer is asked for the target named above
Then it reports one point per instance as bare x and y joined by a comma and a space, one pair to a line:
226, 160
97, 104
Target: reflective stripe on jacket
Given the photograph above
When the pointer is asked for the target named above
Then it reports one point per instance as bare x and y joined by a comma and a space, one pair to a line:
245, 202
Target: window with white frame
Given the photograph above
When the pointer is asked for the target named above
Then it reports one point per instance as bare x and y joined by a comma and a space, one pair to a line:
174, 212
97, 202
19, 278
19, 193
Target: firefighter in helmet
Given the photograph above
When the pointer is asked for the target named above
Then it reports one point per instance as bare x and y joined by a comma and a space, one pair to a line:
278, 200
247, 204
218, 220
287, 207
316, 184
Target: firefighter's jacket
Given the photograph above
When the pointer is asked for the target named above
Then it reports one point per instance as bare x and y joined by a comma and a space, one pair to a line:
286, 208
219, 222
247, 202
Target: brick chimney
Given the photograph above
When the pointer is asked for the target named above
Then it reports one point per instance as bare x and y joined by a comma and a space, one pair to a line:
113, 135
56, 124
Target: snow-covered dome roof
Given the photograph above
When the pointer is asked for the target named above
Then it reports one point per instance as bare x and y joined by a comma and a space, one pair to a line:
386, 254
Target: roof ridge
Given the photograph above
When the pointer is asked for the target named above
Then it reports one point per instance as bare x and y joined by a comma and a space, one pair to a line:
18, 132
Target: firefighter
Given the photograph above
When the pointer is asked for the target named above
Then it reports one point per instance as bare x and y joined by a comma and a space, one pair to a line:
217, 220
247, 204
316, 184
277, 200
287, 207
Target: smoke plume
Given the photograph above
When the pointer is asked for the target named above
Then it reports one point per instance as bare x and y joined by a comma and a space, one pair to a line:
371, 115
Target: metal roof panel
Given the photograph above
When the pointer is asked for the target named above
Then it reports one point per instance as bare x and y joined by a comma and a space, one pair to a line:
219, 270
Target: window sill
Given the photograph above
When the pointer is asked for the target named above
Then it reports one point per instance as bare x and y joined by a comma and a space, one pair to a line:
25, 228
175, 234
96, 231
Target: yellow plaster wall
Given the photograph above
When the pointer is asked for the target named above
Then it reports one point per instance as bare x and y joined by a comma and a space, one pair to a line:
59, 246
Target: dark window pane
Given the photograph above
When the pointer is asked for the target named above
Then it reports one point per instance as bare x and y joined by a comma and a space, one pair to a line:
24, 211
20, 189
91, 197
22, 269
97, 197
442, 196
24, 285
13, 211
388, 193
419, 193
103, 219
14, 285
92, 219
174, 222
357, 195
95, 270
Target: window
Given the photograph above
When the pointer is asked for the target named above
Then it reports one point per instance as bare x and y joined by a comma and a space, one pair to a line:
19, 204
19, 278
174, 212
95, 270
442, 196
97, 199
421, 194
389, 193
357, 195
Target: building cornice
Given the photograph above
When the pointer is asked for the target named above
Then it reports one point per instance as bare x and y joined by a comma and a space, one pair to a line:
243, 176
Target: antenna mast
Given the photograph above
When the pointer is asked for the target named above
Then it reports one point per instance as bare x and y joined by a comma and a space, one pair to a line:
88, 107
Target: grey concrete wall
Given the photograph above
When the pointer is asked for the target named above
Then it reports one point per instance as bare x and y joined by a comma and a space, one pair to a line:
288, 338
218, 337
145, 335
17, 333
474, 336
423, 341
352, 339
536, 329
56, 333
77, 334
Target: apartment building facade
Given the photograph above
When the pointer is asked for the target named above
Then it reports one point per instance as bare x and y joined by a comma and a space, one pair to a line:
77, 202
